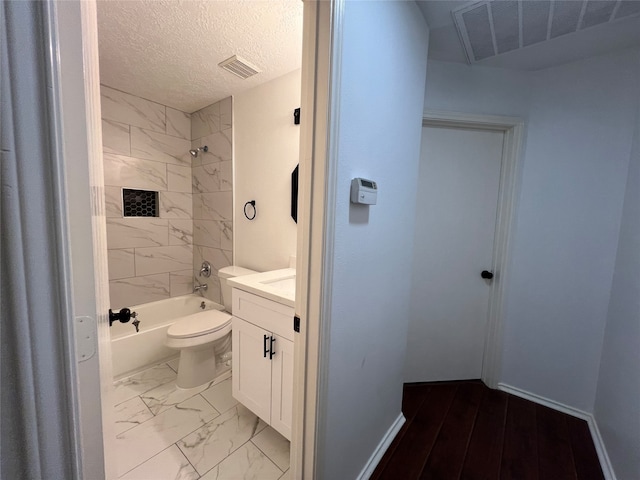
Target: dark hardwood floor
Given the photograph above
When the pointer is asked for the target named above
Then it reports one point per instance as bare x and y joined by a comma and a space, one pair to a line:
464, 430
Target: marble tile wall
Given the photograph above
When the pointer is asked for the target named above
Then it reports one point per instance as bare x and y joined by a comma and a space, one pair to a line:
212, 187
146, 145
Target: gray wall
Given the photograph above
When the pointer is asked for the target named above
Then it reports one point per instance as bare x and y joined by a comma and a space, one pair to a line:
455, 87
579, 136
617, 408
382, 87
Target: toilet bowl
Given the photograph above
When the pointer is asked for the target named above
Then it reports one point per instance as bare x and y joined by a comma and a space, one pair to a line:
201, 336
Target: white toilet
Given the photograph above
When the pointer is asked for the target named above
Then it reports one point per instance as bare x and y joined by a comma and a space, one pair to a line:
200, 336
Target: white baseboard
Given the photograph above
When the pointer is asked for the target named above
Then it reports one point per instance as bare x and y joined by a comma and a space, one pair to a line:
382, 447
607, 468
561, 407
605, 463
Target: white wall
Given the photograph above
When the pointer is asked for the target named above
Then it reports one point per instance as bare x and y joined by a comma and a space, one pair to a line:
267, 144
380, 103
455, 87
579, 139
617, 408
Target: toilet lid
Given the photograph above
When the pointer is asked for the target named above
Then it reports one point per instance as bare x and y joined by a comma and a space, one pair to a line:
200, 323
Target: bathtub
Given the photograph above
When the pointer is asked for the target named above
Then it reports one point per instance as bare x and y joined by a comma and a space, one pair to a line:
133, 351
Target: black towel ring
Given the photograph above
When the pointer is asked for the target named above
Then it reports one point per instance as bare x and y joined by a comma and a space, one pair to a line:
253, 205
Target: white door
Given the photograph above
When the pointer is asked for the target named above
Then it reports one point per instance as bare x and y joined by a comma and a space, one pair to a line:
282, 386
457, 205
251, 379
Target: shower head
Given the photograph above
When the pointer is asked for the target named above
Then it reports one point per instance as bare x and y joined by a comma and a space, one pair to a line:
194, 151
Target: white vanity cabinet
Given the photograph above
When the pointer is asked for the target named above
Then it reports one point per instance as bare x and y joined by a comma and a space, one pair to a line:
263, 358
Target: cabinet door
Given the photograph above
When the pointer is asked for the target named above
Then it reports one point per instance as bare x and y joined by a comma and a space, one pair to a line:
251, 371
282, 386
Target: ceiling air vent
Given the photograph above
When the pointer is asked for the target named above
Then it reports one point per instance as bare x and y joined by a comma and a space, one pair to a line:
239, 66
489, 28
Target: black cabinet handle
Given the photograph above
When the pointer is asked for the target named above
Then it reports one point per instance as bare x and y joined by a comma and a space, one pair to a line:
487, 274
265, 346
272, 352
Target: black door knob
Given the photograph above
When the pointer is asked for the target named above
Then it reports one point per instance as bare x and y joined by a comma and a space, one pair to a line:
123, 316
487, 274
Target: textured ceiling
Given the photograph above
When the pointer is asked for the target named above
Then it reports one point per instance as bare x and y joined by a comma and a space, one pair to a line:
168, 50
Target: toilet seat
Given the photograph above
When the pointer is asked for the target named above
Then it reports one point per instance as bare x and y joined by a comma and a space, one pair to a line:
201, 323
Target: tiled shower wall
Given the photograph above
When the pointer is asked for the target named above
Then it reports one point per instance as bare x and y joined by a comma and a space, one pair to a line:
212, 179
146, 146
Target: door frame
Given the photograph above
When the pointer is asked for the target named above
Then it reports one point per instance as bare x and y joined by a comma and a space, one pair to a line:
513, 129
321, 62
76, 115
77, 65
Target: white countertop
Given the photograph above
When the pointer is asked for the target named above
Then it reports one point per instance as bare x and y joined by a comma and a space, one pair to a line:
276, 285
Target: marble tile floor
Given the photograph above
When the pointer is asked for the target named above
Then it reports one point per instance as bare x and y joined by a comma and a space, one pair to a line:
164, 432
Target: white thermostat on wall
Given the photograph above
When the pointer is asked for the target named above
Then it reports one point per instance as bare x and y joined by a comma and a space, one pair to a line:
364, 191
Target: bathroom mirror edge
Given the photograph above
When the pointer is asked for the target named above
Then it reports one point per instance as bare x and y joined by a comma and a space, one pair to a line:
294, 194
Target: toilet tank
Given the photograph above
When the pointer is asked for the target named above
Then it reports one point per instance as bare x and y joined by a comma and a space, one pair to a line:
229, 272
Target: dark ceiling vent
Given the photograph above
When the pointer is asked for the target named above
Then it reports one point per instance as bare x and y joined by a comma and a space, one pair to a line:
489, 28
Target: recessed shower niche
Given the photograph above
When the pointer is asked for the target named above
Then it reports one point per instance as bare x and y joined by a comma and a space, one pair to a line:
139, 203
